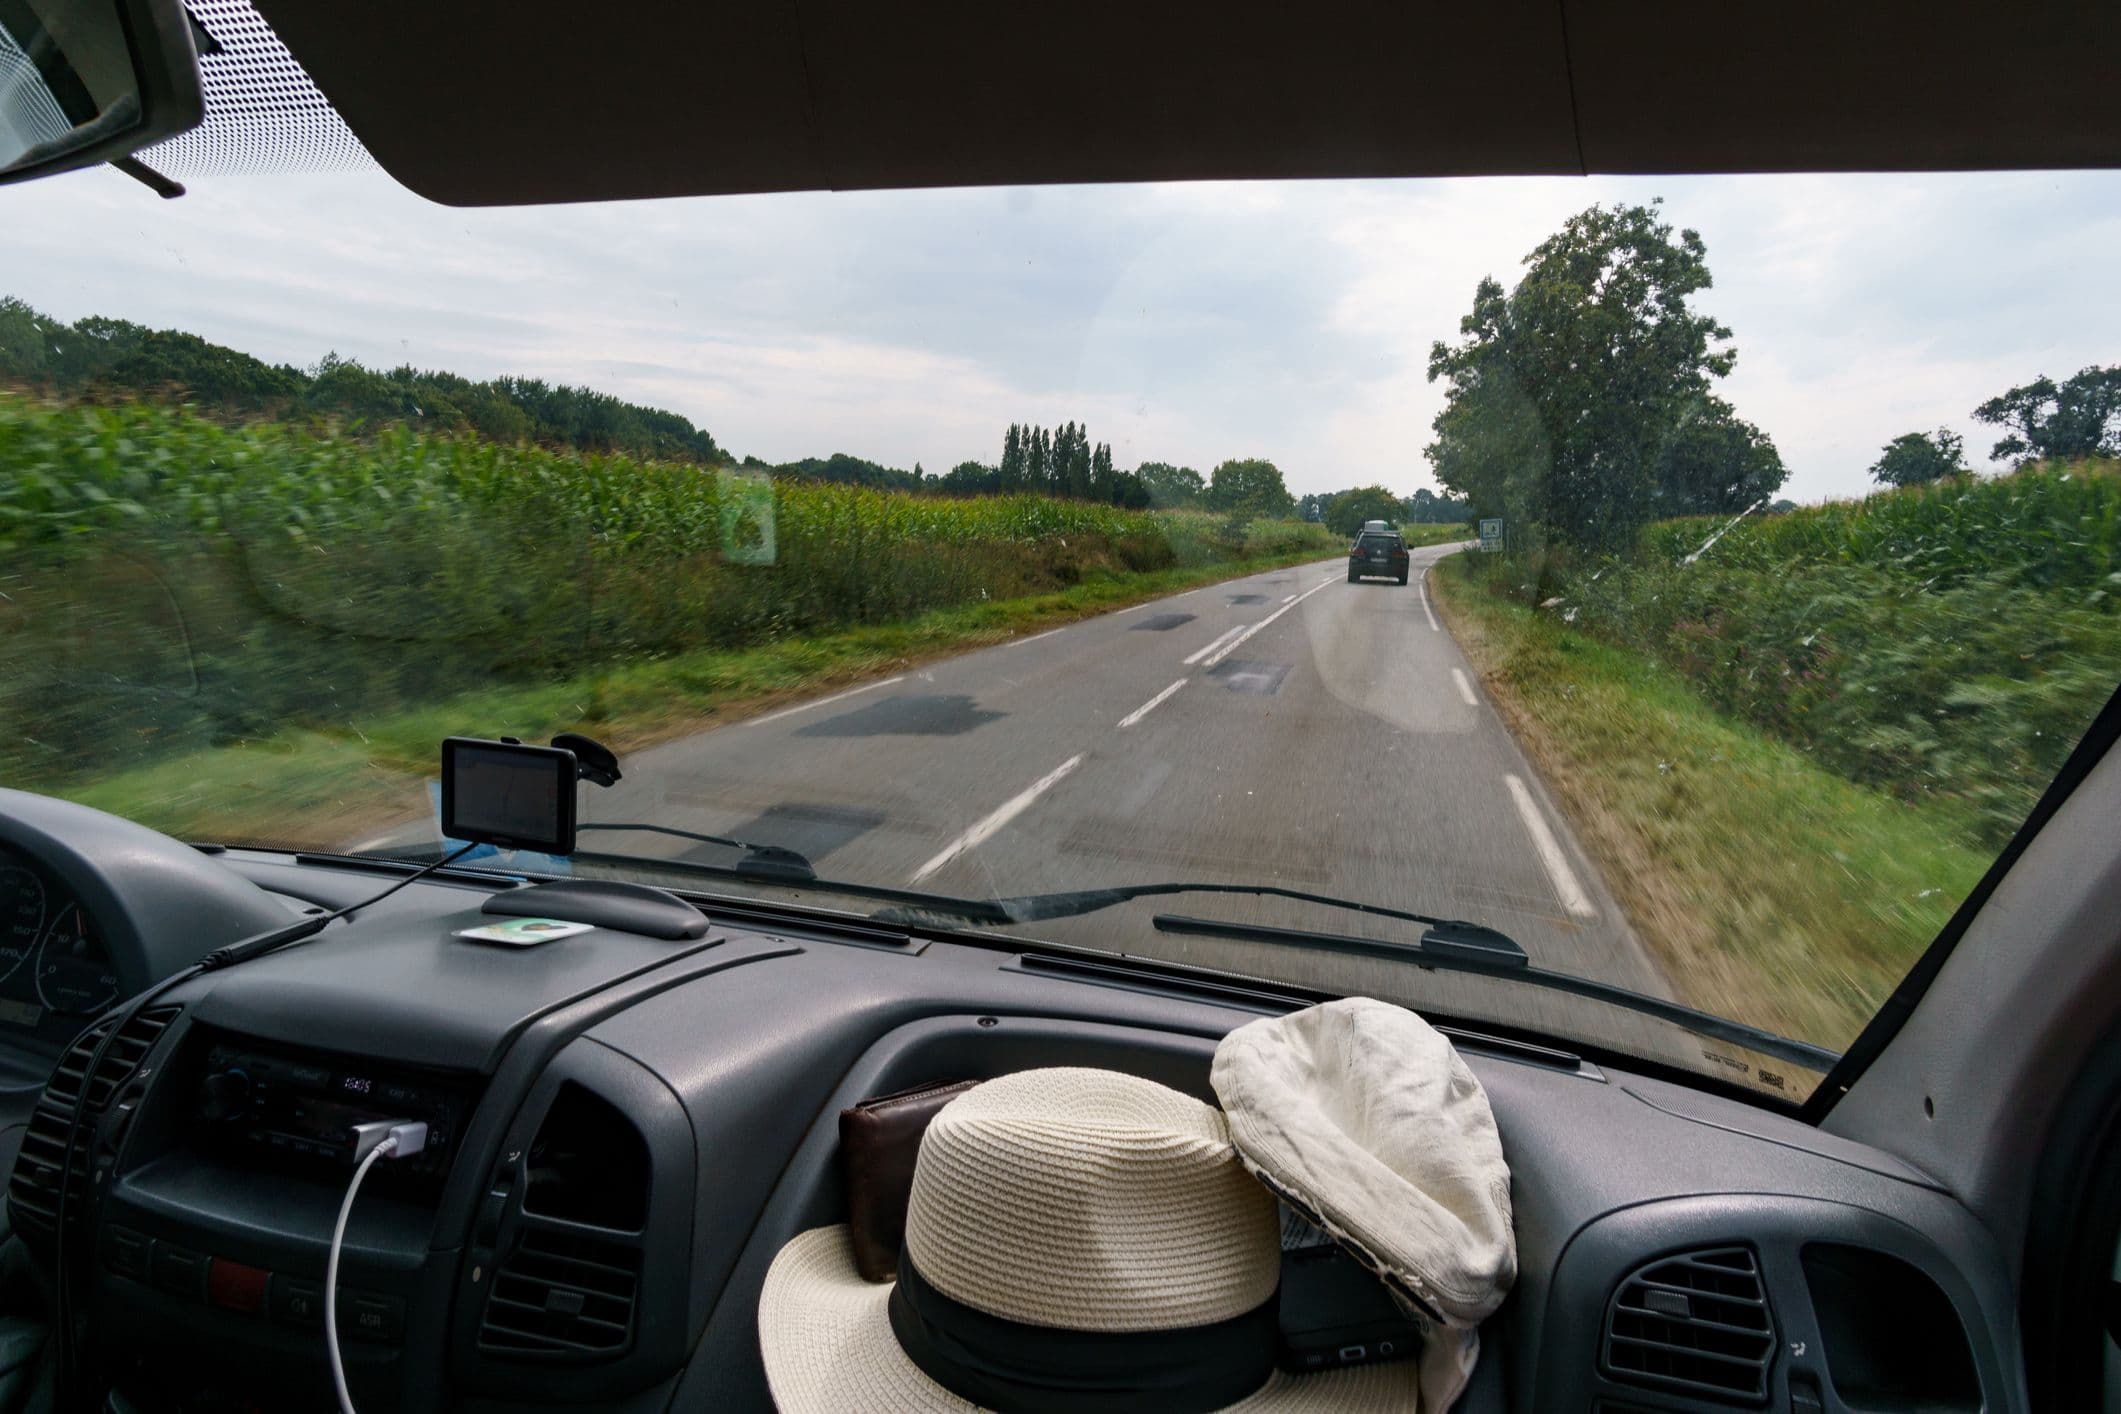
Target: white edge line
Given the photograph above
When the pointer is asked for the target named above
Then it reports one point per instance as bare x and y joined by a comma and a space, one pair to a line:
1421, 587
1465, 689
1020, 642
1151, 705
821, 702
1228, 648
1204, 650
1009, 810
1287, 598
1566, 888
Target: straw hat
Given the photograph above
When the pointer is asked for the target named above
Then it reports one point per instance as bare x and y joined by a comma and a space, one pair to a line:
1077, 1239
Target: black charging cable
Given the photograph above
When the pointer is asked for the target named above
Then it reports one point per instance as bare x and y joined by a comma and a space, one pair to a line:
118, 1019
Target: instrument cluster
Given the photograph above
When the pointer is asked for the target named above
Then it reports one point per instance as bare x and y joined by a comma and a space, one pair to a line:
55, 972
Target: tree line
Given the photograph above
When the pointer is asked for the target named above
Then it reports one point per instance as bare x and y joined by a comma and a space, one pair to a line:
99, 356
2042, 421
1344, 512
1579, 402
103, 355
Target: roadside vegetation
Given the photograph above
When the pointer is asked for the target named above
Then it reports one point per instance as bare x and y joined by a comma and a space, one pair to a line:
172, 585
1793, 737
1796, 750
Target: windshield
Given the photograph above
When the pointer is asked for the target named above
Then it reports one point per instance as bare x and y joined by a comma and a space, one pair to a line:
1759, 548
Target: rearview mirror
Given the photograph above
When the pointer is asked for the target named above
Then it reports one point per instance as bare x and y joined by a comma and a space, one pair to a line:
89, 81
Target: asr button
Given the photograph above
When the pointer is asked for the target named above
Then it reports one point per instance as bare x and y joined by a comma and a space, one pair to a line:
371, 1317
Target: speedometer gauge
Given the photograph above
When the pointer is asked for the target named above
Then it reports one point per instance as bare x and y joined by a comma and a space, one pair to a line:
74, 976
22, 910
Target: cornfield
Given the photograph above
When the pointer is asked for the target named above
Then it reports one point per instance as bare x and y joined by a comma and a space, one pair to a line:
1948, 641
168, 582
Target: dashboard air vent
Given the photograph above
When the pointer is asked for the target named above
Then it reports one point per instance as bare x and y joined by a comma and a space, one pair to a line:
561, 1297
33, 1190
1697, 1321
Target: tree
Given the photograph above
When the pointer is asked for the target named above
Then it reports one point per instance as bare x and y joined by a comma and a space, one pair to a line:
1010, 474
1714, 463
1347, 511
1171, 486
1913, 458
1250, 488
1425, 507
1073, 450
1562, 391
1102, 486
2079, 418
25, 347
970, 479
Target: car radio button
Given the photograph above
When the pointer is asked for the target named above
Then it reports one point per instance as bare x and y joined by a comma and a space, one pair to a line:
125, 1252
180, 1271
296, 1302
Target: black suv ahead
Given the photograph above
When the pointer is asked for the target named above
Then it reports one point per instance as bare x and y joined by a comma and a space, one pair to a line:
1379, 552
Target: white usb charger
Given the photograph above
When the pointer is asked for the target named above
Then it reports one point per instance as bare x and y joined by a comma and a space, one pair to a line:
378, 1139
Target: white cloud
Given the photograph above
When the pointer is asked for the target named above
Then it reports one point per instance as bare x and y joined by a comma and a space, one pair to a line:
1185, 323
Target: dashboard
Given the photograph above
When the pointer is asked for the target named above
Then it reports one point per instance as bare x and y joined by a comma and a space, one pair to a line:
628, 1127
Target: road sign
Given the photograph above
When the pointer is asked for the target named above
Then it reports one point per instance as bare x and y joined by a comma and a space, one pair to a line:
1491, 534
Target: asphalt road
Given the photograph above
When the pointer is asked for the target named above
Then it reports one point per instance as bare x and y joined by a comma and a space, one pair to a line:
1289, 727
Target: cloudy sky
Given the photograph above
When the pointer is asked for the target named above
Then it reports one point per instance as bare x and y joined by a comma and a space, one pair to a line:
1183, 323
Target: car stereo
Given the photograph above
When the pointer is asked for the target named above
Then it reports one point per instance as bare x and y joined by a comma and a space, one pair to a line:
304, 1108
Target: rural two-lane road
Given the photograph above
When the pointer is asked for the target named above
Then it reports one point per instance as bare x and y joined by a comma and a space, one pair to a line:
1289, 727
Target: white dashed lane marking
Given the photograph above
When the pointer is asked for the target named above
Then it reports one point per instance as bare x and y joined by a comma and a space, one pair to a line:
1223, 652
1199, 653
1009, 810
1151, 705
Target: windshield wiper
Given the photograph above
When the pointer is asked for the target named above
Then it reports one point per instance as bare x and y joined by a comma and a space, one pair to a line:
1469, 947
1447, 945
760, 861
1033, 908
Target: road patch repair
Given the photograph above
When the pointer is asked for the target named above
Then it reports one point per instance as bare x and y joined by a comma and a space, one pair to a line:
812, 831
926, 715
1161, 623
1253, 679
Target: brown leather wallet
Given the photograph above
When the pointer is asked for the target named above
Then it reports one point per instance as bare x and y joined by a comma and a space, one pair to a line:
880, 1139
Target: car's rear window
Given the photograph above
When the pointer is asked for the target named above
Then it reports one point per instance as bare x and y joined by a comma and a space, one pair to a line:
1371, 541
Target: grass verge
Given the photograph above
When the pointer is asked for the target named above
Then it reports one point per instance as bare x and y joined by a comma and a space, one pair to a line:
329, 790
1768, 888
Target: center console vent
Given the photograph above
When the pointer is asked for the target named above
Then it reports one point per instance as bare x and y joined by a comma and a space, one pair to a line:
33, 1190
561, 1297
1696, 1321
588, 1165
